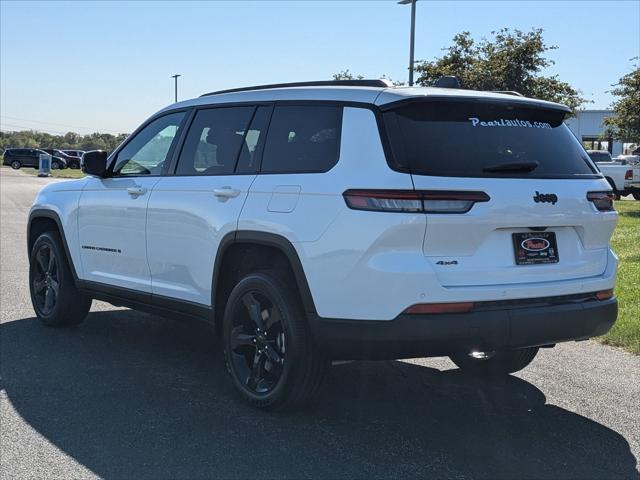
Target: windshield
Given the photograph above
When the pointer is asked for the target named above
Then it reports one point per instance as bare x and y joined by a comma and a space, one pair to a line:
448, 138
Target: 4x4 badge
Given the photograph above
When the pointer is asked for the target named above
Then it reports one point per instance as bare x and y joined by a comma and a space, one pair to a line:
551, 198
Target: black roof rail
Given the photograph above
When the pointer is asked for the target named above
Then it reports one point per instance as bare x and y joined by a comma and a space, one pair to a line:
509, 92
381, 83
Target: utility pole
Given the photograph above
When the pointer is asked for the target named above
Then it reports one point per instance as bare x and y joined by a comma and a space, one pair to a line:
175, 77
413, 36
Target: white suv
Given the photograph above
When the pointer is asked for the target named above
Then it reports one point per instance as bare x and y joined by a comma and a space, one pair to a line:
339, 220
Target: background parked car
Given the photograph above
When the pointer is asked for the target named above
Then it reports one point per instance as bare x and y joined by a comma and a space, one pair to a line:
72, 161
74, 153
30, 157
628, 159
599, 155
624, 178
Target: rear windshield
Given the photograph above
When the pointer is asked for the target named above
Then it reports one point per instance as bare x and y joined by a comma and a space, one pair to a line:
599, 156
474, 139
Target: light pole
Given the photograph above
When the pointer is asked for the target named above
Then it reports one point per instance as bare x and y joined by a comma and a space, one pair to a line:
413, 35
175, 77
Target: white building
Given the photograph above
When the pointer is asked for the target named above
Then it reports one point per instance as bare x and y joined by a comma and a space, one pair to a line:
588, 126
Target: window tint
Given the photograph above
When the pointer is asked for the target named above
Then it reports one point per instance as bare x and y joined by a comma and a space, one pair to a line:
484, 139
214, 141
254, 141
146, 153
303, 139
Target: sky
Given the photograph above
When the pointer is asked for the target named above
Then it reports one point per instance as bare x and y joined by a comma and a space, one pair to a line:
106, 66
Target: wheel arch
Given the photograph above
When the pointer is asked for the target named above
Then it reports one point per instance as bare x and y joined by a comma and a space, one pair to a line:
42, 220
243, 251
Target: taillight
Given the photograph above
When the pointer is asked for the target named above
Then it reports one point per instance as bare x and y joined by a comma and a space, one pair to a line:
603, 201
432, 201
628, 175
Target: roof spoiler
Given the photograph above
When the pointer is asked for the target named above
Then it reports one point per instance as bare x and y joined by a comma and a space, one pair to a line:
380, 83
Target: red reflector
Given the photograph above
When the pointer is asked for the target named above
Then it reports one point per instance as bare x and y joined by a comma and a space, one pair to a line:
604, 294
440, 308
628, 175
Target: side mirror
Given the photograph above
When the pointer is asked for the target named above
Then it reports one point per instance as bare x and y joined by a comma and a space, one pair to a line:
95, 163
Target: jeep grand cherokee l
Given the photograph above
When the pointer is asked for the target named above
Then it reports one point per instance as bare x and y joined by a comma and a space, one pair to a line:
339, 220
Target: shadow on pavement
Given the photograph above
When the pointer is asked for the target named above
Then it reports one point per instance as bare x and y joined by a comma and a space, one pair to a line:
131, 395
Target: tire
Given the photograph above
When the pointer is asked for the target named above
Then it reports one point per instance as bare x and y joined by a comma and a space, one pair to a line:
636, 195
74, 165
16, 164
55, 299
499, 363
55, 166
268, 348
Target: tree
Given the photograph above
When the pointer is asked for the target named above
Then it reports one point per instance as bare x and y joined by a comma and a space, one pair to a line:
71, 140
347, 75
511, 61
625, 124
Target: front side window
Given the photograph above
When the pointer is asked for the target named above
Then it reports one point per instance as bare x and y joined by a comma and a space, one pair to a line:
483, 139
147, 152
214, 141
303, 138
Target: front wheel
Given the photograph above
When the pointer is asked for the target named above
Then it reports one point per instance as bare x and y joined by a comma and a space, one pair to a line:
498, 363
54, 296
55, 166
16, 165
636, 195
270, 354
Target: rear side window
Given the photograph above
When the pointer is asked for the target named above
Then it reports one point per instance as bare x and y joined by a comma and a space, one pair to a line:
214, 141
473, 139
303, 139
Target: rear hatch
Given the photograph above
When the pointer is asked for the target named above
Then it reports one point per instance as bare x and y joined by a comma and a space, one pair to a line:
537, 224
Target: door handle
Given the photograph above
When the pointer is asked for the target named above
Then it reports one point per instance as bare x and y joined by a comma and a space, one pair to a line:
226, 192
136, 191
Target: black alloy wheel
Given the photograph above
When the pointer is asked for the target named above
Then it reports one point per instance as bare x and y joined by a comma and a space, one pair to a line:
54, 296
46, 280
257, 343
269, 349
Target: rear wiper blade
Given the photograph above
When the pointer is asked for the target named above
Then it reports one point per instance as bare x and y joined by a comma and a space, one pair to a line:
512, 167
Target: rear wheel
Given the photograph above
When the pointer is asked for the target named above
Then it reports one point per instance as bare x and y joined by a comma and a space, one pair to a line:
55, 165
498, 363
16, 165
269, 351
55, 299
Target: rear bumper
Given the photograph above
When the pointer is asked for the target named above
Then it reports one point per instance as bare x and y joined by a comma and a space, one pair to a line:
410, 336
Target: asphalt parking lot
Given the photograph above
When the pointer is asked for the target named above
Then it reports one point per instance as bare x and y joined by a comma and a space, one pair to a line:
131, 395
